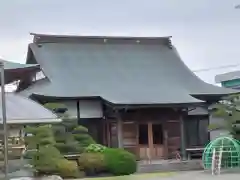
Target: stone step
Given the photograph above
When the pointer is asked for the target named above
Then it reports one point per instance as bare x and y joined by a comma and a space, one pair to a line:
170, 166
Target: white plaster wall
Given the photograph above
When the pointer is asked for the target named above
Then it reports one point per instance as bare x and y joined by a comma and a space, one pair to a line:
88, 108
15, 131
72, 108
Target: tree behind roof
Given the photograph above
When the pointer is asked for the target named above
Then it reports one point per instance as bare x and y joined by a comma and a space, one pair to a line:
229, 110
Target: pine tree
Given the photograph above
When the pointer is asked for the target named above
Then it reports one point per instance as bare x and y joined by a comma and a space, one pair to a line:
229, 110
70, 137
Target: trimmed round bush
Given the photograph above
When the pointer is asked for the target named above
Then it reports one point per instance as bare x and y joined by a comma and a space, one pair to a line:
80, 130
49, 161
68, 169
44, 160
92, 163
69, 148
120, 162
80, 134
84, 139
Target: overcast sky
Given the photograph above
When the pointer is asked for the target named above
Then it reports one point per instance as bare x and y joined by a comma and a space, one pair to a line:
205, 32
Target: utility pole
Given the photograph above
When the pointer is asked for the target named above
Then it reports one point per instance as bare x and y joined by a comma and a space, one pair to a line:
4, 120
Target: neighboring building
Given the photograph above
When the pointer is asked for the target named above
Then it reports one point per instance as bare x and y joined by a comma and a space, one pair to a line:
131, 92
229, 80
21, 111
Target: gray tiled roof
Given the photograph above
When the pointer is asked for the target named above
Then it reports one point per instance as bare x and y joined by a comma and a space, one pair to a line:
8, 65
120, 72
21, 110
15, 71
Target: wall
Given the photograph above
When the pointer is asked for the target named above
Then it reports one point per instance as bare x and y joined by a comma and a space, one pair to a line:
14, 130
212, 120
90, 116
88, 108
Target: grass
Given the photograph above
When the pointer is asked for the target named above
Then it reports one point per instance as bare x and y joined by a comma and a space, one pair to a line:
135, 176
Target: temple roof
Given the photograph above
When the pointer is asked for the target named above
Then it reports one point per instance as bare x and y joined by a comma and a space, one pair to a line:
15, 71
8, 65
17, 111
121, 70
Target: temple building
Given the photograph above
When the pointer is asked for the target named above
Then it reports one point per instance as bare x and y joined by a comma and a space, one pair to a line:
131, 92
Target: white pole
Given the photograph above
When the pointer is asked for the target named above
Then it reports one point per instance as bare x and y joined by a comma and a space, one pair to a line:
213, 161
220, 160
4, 119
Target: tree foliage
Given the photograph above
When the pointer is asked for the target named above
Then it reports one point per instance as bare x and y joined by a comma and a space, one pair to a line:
69, 136
229, 110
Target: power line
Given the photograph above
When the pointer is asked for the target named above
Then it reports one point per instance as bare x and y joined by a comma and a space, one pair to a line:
215, 68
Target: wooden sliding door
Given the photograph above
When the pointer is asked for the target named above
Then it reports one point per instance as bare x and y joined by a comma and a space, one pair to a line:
151, 141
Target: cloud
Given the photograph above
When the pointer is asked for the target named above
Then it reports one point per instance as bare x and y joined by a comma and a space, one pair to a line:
206, 32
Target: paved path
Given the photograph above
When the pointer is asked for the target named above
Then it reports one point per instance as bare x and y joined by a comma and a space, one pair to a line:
193, 175
200, 175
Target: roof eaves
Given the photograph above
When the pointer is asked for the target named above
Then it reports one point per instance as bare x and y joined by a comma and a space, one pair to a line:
8, 65
32, 121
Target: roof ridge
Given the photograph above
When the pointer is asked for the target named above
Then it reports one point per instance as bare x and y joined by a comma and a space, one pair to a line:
51, 38
100, 37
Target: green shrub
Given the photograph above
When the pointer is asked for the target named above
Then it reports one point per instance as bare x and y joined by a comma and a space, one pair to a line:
120, 162
67, 169
41, 135
45, 158
69, 124
95, 148
29, 154
46, 141
84, 139
48, 161
92, 163
80, 130
69, 148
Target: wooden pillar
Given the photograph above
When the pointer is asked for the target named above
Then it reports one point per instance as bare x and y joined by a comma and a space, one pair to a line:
78, 112
108, 133
103, 123
119, 130
165, 135
150, 142
183, 138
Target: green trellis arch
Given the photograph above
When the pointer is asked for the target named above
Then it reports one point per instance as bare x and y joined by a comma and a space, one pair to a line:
230, 148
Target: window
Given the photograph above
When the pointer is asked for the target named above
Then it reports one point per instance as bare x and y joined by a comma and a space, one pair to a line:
143, 134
